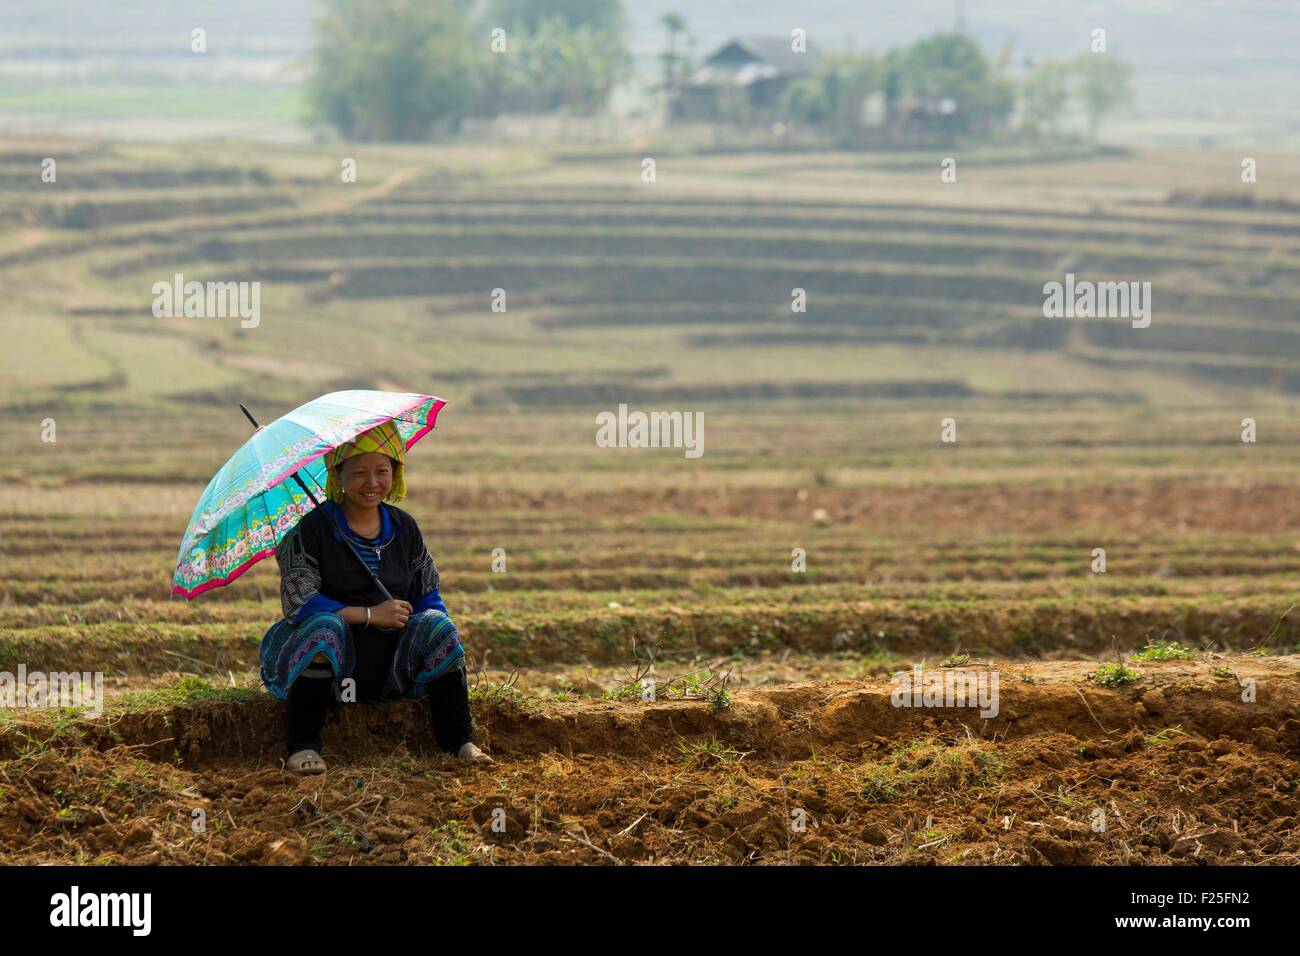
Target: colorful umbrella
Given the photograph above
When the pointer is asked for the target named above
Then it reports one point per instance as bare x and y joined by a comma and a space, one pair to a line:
251, 503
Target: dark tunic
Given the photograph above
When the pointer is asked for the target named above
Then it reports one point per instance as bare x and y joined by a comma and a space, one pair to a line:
318, 572
319, 575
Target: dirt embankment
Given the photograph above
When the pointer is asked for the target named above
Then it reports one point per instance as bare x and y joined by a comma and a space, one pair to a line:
1176, 767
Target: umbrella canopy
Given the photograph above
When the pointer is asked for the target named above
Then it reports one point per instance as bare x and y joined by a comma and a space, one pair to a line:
252, 503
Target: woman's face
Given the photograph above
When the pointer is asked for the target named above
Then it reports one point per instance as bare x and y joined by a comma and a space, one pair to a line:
366, 479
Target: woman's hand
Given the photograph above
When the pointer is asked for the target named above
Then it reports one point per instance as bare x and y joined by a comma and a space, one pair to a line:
391, 614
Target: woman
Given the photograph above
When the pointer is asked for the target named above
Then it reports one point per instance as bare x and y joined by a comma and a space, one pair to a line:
340, 639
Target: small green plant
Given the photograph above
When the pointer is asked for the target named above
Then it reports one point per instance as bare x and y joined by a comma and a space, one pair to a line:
1113, 675
1028, 679
496, 693
624, 692
1224, 672
1163, 650
451, 844
955, 660
1064, 798
1164, 736
990, 763
934, 835
721, 700
342, 834
879, 785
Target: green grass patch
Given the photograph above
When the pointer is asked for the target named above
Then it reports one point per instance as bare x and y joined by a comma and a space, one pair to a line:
187, 691
1163, 650
1114, 675
929, 766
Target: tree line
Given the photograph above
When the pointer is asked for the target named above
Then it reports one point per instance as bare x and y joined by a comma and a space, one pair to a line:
411, 69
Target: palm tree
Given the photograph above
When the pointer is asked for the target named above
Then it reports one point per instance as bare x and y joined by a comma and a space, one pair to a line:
675, 24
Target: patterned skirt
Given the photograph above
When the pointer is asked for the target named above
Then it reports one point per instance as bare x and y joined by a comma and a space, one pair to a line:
428, 647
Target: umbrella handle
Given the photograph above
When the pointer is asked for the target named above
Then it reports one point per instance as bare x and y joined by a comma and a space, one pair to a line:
316, 503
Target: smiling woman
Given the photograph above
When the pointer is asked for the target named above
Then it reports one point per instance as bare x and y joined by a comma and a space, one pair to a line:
342, 637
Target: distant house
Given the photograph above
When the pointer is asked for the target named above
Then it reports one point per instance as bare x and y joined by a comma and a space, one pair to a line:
760, 67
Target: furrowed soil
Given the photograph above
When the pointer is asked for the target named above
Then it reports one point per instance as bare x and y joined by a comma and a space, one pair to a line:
1173, 768
1102, 494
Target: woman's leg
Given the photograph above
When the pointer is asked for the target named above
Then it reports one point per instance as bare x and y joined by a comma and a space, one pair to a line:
306, 704
374, 662
299, 665
449, 707
431, 659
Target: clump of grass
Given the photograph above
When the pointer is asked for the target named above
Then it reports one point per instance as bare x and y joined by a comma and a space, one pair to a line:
496, 693
1224, 672
1163, 650
721, 700
1065, 798
930, 766
187, 691
711, 751
624, 692
1114, 675
1164, 736
451, 844
1028, 679
955, 660
637, 684
879, 785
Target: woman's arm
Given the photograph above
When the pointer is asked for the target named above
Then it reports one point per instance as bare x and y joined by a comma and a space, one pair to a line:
301, 597
425, 579
300, 579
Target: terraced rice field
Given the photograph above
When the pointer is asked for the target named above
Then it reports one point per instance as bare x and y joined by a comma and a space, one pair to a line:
822, 434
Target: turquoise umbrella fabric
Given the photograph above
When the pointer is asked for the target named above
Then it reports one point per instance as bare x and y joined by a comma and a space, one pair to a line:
252, 503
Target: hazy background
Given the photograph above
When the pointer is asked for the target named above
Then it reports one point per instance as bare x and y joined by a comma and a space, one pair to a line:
1167, 453
1209, 72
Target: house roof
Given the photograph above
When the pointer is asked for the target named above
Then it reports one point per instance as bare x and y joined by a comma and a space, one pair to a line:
746, 59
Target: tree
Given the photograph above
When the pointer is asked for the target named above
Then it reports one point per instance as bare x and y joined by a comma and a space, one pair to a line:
673, 64
1104, 84
1046, 92
393, 69
951, 66
554, 66
835, 92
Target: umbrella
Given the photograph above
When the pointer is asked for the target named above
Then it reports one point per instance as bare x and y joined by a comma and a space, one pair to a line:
251, 504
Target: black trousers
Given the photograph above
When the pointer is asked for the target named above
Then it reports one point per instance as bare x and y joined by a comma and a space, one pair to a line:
311, 695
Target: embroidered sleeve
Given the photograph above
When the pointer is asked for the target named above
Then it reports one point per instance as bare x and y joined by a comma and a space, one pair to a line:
424, 579
300, 580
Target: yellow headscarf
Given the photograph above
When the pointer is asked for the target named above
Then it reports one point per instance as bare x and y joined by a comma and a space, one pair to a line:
385, 440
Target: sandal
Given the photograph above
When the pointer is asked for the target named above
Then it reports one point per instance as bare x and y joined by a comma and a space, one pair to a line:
306, 762
471, 754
